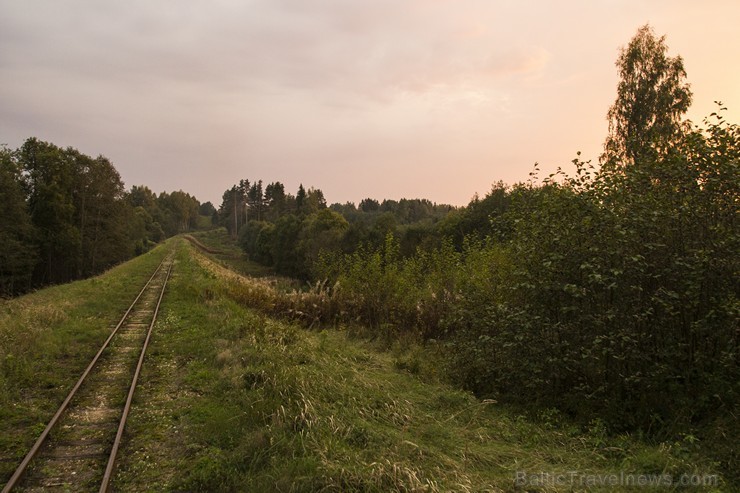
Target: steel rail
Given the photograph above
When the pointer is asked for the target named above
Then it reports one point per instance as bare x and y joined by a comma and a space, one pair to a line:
18, 474
122, 424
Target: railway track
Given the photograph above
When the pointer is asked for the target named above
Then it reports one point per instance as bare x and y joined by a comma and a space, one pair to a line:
77, 450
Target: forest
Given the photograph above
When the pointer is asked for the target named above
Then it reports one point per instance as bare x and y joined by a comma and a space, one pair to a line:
606, 293
67, 216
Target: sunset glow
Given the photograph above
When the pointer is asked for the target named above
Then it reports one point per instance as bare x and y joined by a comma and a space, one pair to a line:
433, 99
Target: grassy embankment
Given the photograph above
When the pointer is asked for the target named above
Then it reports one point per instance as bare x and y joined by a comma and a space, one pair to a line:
232, 400
225, 251
47, 338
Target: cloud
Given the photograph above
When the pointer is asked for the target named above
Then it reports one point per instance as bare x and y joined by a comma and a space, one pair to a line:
524, 62
303, 88
340, 50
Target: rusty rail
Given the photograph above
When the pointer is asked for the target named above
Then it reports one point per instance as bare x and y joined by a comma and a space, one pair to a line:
122, 424
23, 466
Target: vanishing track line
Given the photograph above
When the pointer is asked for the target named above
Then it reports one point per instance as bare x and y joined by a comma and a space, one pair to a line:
77, 449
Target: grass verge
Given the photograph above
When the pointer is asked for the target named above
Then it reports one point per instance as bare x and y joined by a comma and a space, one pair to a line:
233, 400
228, 253
47, 338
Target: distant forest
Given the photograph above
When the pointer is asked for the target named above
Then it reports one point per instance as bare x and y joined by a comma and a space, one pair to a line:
66, 216
289, 232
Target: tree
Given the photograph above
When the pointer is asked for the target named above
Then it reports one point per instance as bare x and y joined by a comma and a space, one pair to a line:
321, 230
255, 200
276, 200
65, 215
206, 209
315, 201
101, 213
284, 243
369, 205
181, 210
17, 245
141, 195
78, 206
51, 178
645, 120
231, 212
300, 199
256, 240
147, 214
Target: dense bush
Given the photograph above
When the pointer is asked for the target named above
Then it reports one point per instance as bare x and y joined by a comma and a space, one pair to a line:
623, 297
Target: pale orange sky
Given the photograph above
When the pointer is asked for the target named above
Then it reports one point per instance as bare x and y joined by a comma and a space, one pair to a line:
432, 99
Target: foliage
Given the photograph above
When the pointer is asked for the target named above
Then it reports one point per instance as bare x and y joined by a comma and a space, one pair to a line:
260, 405
608, 293
320, 231
645, 120
177, 212
290, 232
18, 253
206, 209
482, 218
256, 241
75, 203
247, 201
284, 246
623, 298
68, 216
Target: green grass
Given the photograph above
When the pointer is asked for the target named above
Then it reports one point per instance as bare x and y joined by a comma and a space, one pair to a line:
204, 222
47, 338
233, 400
230, 254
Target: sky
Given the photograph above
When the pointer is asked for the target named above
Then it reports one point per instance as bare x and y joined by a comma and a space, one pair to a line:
387, 99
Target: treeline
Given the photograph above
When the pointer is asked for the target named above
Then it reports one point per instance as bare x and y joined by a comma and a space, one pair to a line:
288, 232
66, 215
